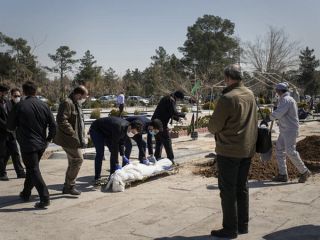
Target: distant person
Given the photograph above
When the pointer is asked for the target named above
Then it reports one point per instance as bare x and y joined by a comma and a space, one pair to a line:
120, 102
8, 143
234, 124
295, 94
71, 135
166, 111
15, 96
287, 115
31, 118
138, 138
112, 132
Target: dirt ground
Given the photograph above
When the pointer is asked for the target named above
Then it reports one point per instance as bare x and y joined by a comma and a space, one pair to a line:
309, 149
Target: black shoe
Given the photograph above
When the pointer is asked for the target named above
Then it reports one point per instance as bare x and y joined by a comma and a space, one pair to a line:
222, 233
42, 204
4, 178
304, 177
70, 190
280, 178
24, 197
21, 175
243, 230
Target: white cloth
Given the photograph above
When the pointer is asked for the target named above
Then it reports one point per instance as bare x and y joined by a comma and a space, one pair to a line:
286, 144
136, 171
287, 114
120, 99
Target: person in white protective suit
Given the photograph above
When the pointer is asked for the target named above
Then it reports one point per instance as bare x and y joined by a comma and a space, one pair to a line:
287, 115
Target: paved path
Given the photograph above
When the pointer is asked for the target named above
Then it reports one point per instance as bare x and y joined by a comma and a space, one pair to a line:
176, 207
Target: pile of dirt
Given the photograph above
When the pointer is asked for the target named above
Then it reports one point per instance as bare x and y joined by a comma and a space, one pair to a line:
309, 149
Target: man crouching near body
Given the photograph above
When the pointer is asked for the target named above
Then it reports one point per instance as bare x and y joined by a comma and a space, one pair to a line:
234, 124
71, 135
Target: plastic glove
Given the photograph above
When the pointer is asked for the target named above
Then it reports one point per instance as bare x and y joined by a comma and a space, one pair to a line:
118, 167
152, 159
146, 162
125, 161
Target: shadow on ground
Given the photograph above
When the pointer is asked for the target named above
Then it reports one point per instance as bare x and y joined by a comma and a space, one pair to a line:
205, 237
307, 232
256, 184
8, 201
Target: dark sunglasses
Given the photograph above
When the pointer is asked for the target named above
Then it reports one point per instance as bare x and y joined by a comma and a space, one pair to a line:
15, 96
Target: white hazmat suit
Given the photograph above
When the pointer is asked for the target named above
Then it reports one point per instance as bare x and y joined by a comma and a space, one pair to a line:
287, 114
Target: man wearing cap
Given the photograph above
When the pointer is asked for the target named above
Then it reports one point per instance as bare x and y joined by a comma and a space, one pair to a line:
287, 115
8, 143
165, 111
234, 124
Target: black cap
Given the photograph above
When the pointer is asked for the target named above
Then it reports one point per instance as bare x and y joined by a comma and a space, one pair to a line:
4, 88
179, 94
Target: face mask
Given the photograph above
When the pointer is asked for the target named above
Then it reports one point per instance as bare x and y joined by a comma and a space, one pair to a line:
81, 101
153, 132
130, 134
17, 99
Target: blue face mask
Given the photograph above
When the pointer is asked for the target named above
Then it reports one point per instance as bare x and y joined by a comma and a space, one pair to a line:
153, 132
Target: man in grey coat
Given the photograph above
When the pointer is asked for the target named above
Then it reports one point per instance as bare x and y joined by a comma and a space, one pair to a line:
71, 135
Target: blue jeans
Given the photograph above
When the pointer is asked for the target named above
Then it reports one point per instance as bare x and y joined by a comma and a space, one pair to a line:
98, 140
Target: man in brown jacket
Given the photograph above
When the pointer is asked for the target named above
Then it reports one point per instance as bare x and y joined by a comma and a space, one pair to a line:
234, 124
71, 135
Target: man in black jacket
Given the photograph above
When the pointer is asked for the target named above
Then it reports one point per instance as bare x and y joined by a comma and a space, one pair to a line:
30, 119
166, 111
8, 144
138, 138
112, 132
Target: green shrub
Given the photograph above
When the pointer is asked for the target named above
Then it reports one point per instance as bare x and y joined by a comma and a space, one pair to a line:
184, 109
95, 113
261, 101
203, 121
303, 105
265, 112
208, 106
137, 112
116, 113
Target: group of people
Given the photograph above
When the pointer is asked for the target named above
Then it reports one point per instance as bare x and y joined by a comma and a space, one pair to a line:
31, 123
233, 123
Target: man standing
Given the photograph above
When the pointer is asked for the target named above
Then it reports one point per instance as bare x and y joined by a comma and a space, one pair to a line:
287, 115
120, 102
166, 111
234, 124
30, 119
112, 132
71, 135
8, 144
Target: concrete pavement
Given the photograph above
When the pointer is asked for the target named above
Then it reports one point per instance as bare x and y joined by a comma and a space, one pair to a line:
180, 206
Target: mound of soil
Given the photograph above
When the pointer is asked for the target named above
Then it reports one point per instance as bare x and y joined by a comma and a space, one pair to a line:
309, 149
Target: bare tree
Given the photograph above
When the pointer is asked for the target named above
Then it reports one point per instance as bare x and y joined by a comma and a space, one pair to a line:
274, 52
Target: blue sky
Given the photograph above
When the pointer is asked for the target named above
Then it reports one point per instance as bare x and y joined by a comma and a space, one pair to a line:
124, 34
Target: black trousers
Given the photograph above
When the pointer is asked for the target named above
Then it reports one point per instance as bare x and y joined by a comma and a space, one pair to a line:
233, 185
9, 148
142, 145
163, 139
33, 175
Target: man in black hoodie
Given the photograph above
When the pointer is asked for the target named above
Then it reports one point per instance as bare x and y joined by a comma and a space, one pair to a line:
8, 144
112, 132
30, 119
166, 111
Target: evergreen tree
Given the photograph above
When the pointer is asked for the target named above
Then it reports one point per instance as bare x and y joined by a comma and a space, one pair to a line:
307, 68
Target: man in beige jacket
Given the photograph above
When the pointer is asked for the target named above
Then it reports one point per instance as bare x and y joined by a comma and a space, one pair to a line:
71, 135
234, 124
